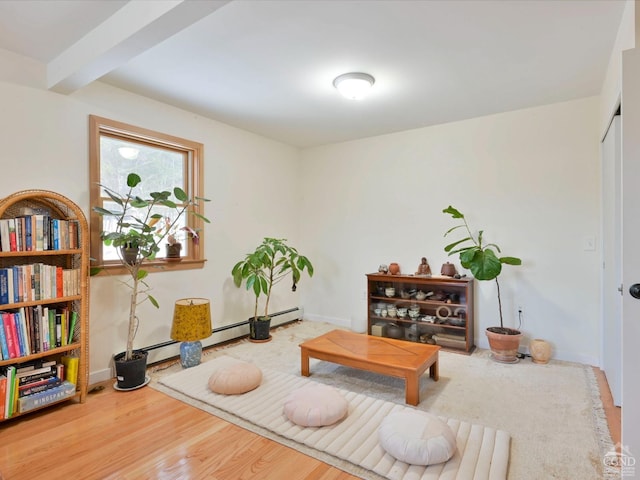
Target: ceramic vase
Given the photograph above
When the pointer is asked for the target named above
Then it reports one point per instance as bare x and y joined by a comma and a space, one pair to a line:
540, 350
394, 268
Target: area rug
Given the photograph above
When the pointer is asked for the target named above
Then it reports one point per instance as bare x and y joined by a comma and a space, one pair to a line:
552, 412
482, 452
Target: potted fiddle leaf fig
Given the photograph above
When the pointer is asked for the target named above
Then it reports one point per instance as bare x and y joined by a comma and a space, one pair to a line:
137, 240
485, 264
271, 262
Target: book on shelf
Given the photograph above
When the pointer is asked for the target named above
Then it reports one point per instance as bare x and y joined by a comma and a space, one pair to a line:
4, 286
72, 326
26, 221
70, 368
10, 334
58, 327
26, 376
19, 234
10, 391
44, 328
40, 399
40, 386
4, 349
3, 394
4, 235
33, 365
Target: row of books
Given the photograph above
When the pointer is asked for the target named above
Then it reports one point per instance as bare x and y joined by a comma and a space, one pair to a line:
37, 233
35, 384
35, 329
37, 281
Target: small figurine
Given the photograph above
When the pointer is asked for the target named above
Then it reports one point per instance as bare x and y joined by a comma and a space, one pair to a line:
383, 268
424, 268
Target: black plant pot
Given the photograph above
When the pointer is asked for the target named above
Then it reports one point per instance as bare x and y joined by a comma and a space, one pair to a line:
259, 329
130, 254
173, 252
132, 373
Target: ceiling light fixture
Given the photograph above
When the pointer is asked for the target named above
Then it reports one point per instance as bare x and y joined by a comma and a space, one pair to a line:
354, 85
130, 153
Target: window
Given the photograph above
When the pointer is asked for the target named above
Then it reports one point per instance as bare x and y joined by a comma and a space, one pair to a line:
163, 162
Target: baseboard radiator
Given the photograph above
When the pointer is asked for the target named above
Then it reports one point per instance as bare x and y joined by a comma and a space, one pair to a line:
171, 348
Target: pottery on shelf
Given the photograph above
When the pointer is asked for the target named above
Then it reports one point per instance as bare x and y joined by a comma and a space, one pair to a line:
394, 268
448, 269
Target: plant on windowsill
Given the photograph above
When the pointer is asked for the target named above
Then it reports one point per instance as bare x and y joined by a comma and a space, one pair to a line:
136, 240
271, 262
172, 232
484, 264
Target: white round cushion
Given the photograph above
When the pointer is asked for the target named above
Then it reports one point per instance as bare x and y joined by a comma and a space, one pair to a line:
234, 379
315, 405
417, 438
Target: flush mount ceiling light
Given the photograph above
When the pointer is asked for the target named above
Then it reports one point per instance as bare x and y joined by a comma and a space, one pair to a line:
354, 85
130, 153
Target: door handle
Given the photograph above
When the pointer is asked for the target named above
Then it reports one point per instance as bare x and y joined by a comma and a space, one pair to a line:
634, 290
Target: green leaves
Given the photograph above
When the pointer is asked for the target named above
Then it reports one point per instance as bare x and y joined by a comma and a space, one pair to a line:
453, 212
272, 261
480, 259
133, 179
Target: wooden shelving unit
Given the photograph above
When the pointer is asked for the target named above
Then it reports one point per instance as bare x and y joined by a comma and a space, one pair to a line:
57, 207
443, 306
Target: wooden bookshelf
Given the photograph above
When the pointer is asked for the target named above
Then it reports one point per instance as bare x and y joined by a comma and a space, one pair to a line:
75, 297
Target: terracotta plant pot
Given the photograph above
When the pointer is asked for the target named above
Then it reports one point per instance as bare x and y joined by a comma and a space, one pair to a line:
504, 347
394, 268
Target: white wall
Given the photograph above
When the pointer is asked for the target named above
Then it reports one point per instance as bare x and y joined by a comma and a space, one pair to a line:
529, 178
250, 180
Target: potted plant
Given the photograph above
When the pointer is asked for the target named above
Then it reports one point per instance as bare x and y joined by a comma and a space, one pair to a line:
169, 230
485, 264
271, 262
137, 239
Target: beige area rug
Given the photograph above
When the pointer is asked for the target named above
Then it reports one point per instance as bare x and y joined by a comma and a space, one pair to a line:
482, 453
552, 412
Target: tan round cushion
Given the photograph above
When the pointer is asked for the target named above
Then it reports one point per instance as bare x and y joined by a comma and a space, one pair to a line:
417, 438
315, 405
234, 379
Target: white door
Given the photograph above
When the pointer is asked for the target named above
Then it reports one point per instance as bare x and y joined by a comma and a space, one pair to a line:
631, 251
611, 260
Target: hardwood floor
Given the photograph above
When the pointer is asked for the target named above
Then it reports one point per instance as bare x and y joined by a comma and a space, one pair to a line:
144, 434
613, 413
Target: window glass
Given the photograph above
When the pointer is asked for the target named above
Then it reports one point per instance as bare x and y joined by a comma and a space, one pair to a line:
162, 161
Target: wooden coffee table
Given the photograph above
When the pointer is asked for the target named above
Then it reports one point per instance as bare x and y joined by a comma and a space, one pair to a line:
387, 356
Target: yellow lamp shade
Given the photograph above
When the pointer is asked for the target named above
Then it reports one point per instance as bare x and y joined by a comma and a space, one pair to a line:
191, 320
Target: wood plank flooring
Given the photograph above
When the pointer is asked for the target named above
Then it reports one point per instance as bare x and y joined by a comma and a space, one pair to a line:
144, 434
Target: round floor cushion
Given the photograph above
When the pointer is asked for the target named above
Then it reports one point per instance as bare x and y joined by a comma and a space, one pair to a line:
234, 379
417, 438
315, 405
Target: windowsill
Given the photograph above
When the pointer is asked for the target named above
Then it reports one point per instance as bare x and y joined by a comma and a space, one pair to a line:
152, 267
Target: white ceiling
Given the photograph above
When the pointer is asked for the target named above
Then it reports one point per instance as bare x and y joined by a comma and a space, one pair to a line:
267, 66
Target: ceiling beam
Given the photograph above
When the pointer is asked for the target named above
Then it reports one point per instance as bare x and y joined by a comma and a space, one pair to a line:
135, 28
